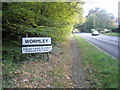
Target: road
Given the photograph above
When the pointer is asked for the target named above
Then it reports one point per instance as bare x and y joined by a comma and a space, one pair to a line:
108, 44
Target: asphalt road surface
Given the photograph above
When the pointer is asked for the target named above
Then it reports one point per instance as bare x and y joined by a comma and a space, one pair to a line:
109, 44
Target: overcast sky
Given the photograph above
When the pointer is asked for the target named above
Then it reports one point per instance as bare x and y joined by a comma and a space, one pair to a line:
109, 5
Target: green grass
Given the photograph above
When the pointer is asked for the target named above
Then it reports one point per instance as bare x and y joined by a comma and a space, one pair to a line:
104, 68
113, 34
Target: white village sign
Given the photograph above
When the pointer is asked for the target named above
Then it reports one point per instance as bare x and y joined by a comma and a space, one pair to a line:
36, 41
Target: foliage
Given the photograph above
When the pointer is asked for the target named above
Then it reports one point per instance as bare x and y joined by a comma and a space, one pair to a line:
35, 19
91, 22
54, 19
117, 30
98, 19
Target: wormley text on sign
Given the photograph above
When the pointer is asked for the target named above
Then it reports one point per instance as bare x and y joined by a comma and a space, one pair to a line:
36, 40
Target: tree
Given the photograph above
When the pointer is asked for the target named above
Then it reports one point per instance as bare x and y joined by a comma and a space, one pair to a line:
98, 19
92, 22
55, 19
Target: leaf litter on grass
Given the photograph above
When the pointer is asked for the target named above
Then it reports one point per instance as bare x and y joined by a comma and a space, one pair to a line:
43, 74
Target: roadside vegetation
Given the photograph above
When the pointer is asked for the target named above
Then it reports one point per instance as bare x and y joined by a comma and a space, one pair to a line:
102, 68
33, 19
34, 71
113, 34
95, 20
55, 20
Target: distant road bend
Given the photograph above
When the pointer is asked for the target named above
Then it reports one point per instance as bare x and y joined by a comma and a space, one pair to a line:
109, 44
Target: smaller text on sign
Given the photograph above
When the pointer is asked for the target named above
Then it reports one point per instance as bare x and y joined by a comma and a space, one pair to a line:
37, 49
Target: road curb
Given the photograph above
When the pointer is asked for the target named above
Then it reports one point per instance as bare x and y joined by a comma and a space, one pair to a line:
101, 50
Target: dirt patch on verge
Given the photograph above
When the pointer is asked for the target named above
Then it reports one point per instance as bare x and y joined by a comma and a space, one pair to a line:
79, 77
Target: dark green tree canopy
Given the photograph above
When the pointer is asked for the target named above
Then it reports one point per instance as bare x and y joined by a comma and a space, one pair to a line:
55, 19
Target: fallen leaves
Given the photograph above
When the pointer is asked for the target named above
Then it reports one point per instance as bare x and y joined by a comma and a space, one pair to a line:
42, 74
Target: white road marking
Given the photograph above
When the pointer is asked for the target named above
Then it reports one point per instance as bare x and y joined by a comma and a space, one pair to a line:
101, 49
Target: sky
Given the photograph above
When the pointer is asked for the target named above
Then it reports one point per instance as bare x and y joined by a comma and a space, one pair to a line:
110, 5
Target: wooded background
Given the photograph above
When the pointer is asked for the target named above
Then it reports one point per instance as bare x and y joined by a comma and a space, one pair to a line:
53, 19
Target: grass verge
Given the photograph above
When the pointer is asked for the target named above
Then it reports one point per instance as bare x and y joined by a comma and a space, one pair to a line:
113, 34
102, 68
32, 70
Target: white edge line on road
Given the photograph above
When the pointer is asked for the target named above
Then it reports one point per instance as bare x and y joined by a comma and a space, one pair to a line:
101, 49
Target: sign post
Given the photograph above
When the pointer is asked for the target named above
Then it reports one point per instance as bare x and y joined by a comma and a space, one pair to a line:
43, 42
